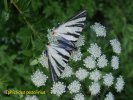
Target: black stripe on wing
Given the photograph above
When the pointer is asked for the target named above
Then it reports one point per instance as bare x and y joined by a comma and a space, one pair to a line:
74, 35
65, 44
75, 25
63, 56
81, 22
53, 74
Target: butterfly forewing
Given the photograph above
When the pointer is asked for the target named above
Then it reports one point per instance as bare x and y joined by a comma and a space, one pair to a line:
72, 28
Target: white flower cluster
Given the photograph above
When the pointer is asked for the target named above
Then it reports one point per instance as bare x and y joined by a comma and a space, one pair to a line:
58, 88
102, 61
94, 88
33, 97
95, 50
108, 79
115, 62
76, 55
74, 87
38, 78
80, 41
43, 60
67, 72
95, 75
116, 46
109, 96
79, 96
99, 29
81, 74
89, 62
119, 84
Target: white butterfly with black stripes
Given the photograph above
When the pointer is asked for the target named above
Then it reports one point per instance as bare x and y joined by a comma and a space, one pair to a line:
66, 34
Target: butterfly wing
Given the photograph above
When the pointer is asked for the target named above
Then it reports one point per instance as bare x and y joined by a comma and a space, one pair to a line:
72, 28
58, 57
65, 43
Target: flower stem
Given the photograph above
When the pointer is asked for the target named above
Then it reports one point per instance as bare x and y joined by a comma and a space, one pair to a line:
27, 22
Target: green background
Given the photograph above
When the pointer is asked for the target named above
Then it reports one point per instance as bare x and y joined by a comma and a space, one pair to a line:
23, 30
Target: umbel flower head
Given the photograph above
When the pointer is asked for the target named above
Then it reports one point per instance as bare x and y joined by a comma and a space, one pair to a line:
80, 41
81, 74
95, 50
108, 79
43, 60
119, 84
58, 88
67, 72
38, 78
95, 75
102, 61
76, 55
116, 46
94, 88
79, 96
99, 30
115, 62
74, 87
109, 96
89, 62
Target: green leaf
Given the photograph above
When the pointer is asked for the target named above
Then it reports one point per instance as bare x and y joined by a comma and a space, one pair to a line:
34, 62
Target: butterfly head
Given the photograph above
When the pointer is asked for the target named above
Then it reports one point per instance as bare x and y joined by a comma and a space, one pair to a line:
52, 31
48, 44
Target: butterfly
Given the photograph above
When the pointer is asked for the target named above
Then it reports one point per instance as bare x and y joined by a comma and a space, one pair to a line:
66, 34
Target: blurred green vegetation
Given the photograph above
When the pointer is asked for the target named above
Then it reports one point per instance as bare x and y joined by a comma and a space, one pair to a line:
23, 30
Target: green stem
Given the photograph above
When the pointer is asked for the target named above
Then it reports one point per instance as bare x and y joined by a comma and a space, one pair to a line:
27, 22
91, 98
6, 5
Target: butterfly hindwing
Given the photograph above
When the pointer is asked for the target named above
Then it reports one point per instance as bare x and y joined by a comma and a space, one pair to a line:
71, 29
57, 59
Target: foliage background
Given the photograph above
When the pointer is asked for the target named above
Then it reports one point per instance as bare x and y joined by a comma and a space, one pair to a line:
23, 37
